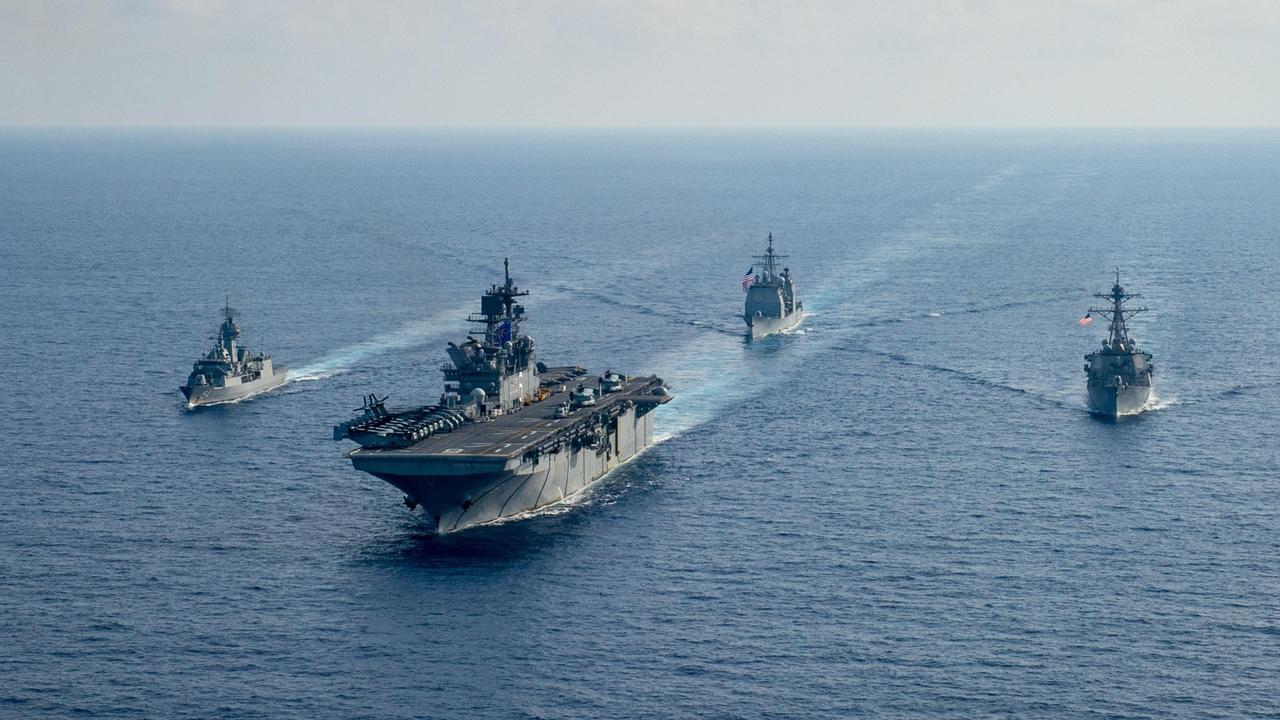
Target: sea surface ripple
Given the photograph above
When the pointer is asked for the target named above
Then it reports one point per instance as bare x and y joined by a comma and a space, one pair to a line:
901, 510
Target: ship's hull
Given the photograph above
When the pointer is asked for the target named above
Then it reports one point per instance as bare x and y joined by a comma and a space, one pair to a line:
198, 395
759, 326
1114, 401
463, 491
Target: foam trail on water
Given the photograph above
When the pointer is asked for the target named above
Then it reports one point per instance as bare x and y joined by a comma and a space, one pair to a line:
443, 322
406, 336
714, 373
698, 373
695, 404
707, 377
1158, 402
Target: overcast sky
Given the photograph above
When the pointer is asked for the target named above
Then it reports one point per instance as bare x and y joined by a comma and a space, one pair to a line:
640, 62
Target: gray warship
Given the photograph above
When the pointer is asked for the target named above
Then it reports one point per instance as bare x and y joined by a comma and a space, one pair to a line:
229, 372
771, 305
1119, 373
509, 434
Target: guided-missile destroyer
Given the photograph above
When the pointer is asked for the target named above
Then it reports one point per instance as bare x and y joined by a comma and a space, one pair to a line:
771, 304
229, 372
1119, 374
509, 434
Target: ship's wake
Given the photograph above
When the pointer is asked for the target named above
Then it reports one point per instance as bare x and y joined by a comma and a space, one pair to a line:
708, 375
411, 335
711, 327
714, 372
971, 309
434, 327
696, 401
1063, 399
1155, 403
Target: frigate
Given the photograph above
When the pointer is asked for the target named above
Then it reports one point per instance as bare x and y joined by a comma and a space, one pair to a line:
509, 435
772, 305
230, 372
1119, 373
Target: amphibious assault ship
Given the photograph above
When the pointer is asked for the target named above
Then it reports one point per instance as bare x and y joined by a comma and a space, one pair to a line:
771, 305
229, 372
509, 434
1119, 374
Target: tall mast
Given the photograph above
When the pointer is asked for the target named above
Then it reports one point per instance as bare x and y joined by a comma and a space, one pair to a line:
1118, 314
499, 312
768, 262
229, 331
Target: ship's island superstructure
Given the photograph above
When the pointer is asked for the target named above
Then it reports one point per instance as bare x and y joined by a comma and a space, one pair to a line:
228, 371
509, 435
1119, 373
771, 304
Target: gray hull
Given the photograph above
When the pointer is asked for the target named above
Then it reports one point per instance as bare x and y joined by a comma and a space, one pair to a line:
760, 326
1112, 401
460, 492
211, 395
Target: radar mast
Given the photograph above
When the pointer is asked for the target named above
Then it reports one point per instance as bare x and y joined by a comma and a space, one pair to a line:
1118, 314
768, 263
499, 313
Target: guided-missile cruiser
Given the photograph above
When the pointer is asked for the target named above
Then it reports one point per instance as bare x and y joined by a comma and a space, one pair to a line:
229, 372
509, 435
1119, 374
772, 305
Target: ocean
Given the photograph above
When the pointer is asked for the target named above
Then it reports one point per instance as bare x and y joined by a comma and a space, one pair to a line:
903, 509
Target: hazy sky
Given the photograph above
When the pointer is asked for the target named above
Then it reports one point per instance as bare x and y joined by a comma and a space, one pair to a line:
640, 62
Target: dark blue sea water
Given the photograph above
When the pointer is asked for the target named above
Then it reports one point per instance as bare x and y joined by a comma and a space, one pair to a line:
901, 511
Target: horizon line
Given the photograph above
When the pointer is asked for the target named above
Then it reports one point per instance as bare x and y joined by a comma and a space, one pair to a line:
122, 126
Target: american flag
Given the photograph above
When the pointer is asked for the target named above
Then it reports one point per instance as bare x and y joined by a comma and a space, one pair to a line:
1084, 320
749, 278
